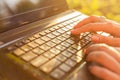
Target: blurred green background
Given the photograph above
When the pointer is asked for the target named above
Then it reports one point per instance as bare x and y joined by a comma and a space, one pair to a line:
108, 8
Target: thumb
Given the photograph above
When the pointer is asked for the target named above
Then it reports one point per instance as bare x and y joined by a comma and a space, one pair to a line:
107, 40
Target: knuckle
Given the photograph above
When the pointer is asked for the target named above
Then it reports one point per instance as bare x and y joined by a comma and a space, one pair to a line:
90, 26
93, 17
99, 46
96, 54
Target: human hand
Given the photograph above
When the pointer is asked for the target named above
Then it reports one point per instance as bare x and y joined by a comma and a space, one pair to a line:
93, 24
106, 59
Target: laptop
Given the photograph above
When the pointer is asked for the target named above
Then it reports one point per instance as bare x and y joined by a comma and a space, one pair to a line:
35, 41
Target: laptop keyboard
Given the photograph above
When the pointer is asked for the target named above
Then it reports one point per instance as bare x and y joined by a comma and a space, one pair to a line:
53, 51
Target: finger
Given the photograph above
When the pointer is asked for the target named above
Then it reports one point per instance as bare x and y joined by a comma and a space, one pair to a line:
105, 60
108, 40
102, 47
89, 20
103, 73
93, 27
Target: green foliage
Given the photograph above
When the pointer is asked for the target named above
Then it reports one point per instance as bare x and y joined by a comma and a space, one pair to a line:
108, 8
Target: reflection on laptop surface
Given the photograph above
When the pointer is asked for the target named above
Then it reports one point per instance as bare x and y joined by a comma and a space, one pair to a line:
35, 41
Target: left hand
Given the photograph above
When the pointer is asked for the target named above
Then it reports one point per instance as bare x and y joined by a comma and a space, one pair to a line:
108, 60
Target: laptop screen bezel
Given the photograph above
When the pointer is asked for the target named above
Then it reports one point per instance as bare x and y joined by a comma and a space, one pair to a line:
17, 20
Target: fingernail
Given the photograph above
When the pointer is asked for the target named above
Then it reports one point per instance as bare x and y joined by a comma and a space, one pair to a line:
95, 38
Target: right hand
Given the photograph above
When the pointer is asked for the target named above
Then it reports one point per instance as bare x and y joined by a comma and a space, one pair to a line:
106, 61
94, 24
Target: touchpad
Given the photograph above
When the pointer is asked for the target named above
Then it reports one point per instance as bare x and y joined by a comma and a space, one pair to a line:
83, 74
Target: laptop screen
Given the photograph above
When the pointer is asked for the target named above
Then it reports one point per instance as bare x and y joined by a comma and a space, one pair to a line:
15, 13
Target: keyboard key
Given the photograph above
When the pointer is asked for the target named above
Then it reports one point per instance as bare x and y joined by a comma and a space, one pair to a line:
49, 66
55, 51
45, 38
47, 31
64, 23
19, 44
83, 43
56, 27
60, 31
87, 38
50, 43
25, 41
42, 33
61, 57
60, 25
75, 46
71, 62
71, 21
65, 29
58, 74
72, 25
66, 35
44, 47
76, 58
31, 38
61, 38
77, 18
39, 41
76, 22
56, 33
60, 47
37, 35
67, 22
57, 41
65, 67
80, 53
33, 44
26, 48
72, 50
18, 52
49, 54
70, 41
65, 44
39, 61
51, 36
52, 29
84, 34
67, 53
69, 27
38, 51
28, 56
